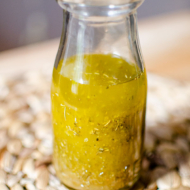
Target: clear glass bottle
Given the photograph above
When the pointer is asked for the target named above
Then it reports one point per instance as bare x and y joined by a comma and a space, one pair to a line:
99, 96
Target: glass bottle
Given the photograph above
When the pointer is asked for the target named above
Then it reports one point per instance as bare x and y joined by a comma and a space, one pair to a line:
99, 96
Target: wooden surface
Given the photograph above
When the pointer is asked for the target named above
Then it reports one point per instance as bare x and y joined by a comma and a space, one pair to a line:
165, 43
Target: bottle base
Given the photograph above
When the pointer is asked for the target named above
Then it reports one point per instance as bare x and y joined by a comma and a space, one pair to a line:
69, 186
124, 188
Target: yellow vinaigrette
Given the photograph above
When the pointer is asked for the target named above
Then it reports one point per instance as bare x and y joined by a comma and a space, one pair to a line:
98, 108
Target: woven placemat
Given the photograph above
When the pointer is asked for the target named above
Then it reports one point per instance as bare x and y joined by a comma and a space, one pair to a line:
26, 135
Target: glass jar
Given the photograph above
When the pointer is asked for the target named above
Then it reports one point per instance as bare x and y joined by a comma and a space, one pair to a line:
98, 96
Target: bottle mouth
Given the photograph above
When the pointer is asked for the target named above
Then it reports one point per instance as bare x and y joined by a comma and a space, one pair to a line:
100, 8
100, 2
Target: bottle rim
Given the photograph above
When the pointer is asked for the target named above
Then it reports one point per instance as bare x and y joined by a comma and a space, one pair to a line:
101, 9
100, 2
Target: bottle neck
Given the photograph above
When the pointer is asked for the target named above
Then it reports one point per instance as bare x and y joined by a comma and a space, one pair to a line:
115, 35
